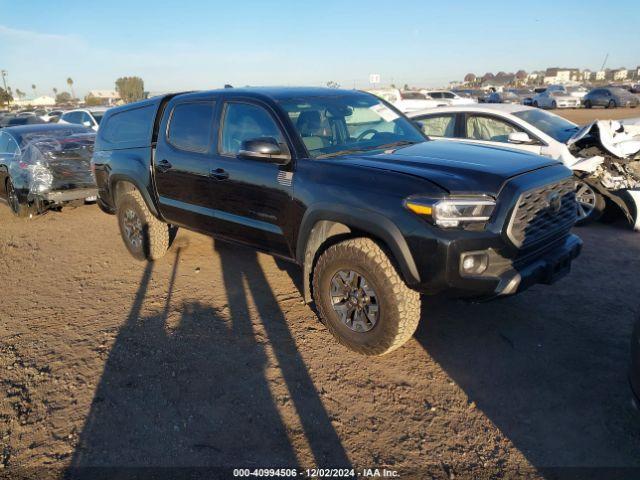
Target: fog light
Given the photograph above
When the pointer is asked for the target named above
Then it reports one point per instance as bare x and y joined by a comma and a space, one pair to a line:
474, 263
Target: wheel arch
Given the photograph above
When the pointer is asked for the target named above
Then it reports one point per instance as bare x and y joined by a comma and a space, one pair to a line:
120, 184
327, 225
625, 203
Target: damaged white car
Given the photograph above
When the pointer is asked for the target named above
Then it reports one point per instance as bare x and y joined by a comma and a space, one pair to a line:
604, 155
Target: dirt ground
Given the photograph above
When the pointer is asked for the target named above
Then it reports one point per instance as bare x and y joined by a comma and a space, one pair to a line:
209, 357
583, 115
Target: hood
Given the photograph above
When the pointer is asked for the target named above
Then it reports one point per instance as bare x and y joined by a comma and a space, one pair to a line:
455, 167
413, 105
619, 139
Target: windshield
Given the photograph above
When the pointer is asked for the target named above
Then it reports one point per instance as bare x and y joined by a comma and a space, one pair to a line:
336, 125
556, 127
98, 116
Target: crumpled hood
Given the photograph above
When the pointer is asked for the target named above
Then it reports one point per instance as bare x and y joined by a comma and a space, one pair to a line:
456, 167
619, 139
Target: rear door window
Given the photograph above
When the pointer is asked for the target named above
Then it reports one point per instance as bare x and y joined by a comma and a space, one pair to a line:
129, 127
190, 126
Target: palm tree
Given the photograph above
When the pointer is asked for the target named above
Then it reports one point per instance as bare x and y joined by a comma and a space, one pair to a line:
55, 92
33, 87
70, 83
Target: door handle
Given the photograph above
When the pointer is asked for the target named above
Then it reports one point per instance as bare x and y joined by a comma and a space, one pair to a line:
164, 165
219, 174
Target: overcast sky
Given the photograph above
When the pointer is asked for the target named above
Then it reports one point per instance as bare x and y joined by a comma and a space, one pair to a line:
197, 45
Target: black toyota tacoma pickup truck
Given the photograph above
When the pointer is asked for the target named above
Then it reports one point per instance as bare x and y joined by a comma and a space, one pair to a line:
345, 186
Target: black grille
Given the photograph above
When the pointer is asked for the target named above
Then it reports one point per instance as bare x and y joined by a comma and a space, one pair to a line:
537, 217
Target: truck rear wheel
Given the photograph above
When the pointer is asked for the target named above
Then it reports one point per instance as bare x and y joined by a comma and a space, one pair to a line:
146, 237
362, 299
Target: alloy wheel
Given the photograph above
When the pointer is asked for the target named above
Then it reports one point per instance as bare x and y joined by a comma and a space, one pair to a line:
354, 300
586, 200
132, 228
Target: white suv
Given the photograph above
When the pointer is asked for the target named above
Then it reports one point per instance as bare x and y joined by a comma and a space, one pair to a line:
88, 117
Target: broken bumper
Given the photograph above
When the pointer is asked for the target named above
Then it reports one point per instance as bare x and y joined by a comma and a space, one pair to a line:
62, 196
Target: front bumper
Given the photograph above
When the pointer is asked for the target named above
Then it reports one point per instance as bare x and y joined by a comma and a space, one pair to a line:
575, 104
547, 268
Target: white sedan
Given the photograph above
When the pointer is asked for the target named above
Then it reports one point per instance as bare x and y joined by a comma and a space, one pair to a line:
522, 128
448, 97
407, 101
555, 99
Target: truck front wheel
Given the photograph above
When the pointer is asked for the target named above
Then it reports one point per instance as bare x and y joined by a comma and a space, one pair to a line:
362, 299
146, 237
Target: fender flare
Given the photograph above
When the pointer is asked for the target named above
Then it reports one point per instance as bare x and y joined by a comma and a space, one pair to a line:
621, 199
148, 199
317, 225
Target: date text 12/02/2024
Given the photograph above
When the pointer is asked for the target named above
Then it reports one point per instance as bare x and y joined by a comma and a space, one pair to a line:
316, 473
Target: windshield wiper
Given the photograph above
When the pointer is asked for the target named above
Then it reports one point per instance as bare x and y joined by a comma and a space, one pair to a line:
366, 149
399, 143
342, 152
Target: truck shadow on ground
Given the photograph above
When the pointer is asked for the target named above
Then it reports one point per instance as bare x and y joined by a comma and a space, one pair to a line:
549, 367
147, 411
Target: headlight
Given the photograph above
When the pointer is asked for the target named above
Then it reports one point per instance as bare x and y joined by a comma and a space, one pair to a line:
453, 212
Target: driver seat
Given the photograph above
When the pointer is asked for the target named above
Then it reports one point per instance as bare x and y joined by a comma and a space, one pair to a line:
314, 134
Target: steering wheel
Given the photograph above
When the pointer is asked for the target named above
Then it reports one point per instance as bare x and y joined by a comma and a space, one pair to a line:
367, 132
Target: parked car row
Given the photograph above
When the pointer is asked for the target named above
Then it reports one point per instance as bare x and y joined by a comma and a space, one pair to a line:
559, 96
87, 117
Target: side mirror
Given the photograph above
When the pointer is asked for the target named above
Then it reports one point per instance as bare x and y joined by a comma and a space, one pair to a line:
264, 148
419, 124
87, 123
519, 138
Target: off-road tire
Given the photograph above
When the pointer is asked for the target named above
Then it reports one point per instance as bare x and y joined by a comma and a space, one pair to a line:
587, 104
399, 306
535, 104
554, 105
157, 236
611, 104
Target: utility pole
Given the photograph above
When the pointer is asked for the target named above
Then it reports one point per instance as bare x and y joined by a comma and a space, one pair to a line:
605, 61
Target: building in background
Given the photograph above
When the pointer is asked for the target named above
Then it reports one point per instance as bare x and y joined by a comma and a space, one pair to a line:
43, 101
557, 75
107, 98
619, 74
